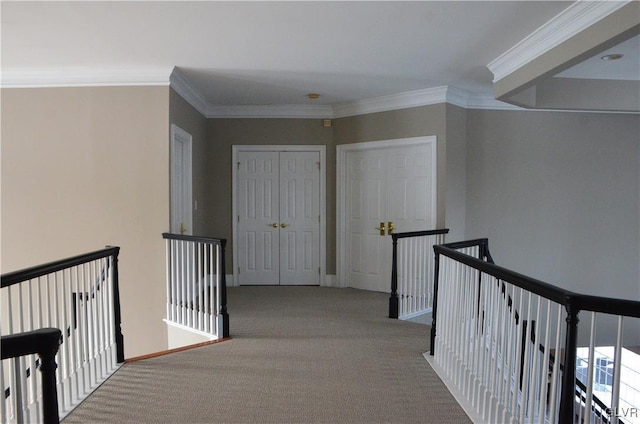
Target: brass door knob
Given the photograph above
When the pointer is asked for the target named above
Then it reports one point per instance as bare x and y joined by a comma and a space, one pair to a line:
274, 225
381, 228
283, 225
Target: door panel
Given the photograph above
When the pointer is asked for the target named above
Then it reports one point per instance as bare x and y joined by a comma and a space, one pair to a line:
393, 184
300, 212
367, 205
258, 203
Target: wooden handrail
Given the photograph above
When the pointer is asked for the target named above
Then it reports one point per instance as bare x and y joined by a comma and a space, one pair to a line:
45, 343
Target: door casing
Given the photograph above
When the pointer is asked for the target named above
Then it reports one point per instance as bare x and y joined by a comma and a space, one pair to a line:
235, 149
341, 186
181, 195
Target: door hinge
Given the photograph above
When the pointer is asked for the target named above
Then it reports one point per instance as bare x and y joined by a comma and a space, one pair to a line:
238, 166
238, 218
238, 270
318, 270
318, 165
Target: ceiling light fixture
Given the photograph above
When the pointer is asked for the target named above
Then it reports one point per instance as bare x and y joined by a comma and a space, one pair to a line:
614, 56
313, 96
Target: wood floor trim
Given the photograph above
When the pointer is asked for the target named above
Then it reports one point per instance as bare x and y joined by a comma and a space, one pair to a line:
170, 351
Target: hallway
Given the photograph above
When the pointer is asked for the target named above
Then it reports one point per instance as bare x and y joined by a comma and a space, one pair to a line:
297, 355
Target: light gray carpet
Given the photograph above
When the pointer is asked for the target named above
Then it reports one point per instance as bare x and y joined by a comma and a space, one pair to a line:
298, 355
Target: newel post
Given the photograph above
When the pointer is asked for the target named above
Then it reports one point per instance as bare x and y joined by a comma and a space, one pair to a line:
117, 314
434, 310
48, 367
393, 299
223, 292
568, 391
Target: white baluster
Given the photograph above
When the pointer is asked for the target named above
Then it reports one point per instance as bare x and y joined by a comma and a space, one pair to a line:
218, 270
168, 264
617, 362
557, 346
544, 372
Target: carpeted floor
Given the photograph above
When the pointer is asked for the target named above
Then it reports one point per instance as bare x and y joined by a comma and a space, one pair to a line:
297, 355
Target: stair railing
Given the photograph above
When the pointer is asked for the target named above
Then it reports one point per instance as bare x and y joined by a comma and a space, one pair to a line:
495, 334
78, 296
412, 272
196, 284
45, 343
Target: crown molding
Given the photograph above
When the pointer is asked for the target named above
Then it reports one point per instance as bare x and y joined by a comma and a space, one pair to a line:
188, 92
429, 96
84, 77
269, 111
478, 101
574, 19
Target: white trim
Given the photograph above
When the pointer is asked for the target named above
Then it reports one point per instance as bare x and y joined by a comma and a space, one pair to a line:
270, 111
330, 281
85, 77
235, 149
230, 280
416, 314
453, 389
409, 99
178, 135
188, 92
191, 330
574, 19
341, 188
489, 102
106, 77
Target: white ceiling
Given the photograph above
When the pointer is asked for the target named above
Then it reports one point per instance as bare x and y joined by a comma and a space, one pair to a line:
627, 68
274, 53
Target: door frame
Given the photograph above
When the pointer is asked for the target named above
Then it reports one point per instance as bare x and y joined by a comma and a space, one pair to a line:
341, 187
178, 135
235, 149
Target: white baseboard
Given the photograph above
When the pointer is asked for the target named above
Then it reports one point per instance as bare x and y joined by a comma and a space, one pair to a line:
330, 281
229, 279
466, 406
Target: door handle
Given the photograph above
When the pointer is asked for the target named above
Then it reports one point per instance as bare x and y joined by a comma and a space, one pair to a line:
182, 228
274, 225
381, 228
390, 228
283, 225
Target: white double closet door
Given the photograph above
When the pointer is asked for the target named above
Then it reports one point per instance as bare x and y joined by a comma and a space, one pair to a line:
384, 182
278, 229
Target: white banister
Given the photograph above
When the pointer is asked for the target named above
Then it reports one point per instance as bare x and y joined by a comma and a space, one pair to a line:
500, 341
196, 298
74, 295
412, 291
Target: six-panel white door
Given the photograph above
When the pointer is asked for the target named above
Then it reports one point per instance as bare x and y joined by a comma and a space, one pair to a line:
278, 218
391, 184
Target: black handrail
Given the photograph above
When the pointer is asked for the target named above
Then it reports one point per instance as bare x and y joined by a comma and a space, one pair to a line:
30, 273
394, 301
223, 278
573, 303
44, 342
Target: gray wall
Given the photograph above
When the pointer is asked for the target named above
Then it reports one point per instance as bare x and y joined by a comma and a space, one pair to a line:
558, 196
456, 172
189, 119
403, 123
448, 124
